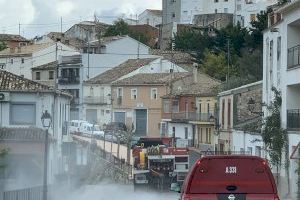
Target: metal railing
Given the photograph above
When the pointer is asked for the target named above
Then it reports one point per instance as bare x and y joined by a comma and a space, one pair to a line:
192, 116
69, 80
35, 193
95, 100
293, 57
293, 119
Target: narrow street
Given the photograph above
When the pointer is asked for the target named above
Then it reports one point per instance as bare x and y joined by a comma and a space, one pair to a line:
112, 191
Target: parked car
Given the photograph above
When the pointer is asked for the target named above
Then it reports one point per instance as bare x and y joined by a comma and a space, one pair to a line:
230, 177
91, 130
74, 126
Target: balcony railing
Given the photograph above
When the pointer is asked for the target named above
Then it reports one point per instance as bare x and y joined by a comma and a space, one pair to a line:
96, 100
192, 116
74, 101
69, 80
293, 57
293, 119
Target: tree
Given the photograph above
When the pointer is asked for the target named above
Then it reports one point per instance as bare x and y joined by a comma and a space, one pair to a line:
274, 136
215, 65
250, 65
2, 45
3, 154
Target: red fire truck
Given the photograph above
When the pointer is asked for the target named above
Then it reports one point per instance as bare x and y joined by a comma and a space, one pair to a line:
158, 164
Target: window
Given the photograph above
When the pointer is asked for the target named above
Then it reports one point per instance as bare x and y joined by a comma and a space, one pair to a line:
208, 108
51, 75
225, 0
166, 104
225, 10
239, 7
223, 112
216, 1
22, 114
186, 133
249, 149
201, 135
134, 94
11, 61
37, 75
208, 135
229, 112
173, 15
216, 10
173, 131
91, 91
154, 93
107, 111
2, 65
258, 151
102, 112
22, 60
175, 106
278, 48
253, 17
119, 92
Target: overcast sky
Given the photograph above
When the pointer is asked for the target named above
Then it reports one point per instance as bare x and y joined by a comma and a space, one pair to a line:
38, 17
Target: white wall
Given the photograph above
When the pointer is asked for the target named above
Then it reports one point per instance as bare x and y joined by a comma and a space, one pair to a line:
180, 130
116, 53
242, 140
147, 17
43, 101
17, 67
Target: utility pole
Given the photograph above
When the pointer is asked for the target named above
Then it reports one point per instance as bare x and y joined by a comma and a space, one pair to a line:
61, 25
19, 28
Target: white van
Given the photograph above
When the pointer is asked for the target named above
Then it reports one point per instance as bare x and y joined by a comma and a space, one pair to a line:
74, 126
90, 130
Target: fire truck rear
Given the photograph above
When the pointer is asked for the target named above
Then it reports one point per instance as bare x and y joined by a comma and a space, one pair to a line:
159, 165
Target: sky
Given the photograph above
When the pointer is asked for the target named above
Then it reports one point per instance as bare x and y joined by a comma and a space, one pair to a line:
38, 17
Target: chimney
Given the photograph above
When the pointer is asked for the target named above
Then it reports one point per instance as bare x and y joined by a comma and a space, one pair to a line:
195, 72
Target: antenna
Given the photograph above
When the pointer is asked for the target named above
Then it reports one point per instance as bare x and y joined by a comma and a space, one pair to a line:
19, 28
60, 24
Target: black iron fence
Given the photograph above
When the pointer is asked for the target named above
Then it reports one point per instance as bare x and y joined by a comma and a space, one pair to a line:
293, 119
35, 193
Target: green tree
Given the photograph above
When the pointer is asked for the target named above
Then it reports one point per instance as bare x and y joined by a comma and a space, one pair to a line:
250, 65
2, 45
274, 136
214, 65
3, 154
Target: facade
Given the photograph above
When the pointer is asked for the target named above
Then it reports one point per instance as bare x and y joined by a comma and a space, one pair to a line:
70, 79
97, 91
13, 41
138, 101
189, 111
281, 70
20, 61
45, 74
150, 17
234, 115
87, 30
22, 104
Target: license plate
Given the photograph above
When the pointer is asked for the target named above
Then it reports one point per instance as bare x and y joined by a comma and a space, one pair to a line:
231, 197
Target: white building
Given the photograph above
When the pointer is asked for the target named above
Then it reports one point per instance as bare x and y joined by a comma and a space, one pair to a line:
281, 70
150, 17
20, 60
97, 91
22, 104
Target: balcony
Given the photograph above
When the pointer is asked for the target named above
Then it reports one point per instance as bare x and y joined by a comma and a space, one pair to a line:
69, 80
293, 119
100, 100
191, 116
293, 57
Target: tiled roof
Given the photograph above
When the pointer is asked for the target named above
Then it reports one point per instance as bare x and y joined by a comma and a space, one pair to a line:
151, 79
12, 82
155, 12
119, 71
205, 86
88, 25
11, 37
177, 57
106, 40
48, 66
74, 42
24, 50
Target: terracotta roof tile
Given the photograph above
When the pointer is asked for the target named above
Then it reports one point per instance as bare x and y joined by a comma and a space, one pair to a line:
119, 71
48, 66
24, 50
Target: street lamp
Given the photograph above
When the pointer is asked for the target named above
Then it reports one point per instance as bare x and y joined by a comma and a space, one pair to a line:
46, 121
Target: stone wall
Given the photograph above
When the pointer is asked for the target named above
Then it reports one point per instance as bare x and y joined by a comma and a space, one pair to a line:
217, 20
